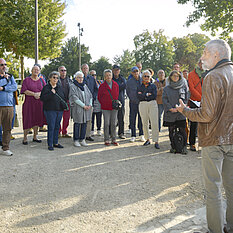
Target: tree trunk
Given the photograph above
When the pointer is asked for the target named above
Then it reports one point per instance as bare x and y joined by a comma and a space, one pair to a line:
22, 68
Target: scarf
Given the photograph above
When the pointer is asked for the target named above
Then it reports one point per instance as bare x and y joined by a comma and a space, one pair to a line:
178, 84
79, 85
198, 71
145, 83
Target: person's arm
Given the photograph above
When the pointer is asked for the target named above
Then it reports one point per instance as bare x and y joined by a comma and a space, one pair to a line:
210, 102
11, 85
46, 94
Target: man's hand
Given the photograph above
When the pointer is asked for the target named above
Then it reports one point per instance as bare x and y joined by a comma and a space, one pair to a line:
1, 88
180, 107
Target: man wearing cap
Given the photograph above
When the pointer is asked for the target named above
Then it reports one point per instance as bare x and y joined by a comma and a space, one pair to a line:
7, 87
120, 80
131, 90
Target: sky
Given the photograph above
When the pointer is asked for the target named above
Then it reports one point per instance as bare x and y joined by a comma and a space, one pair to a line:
110, 25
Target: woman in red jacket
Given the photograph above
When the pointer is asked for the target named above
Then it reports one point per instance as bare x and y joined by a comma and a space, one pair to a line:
110, 114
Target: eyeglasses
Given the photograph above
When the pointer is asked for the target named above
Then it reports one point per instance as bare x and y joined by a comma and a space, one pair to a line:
63, 70
3, 64
93, 74
135, 71
146, 76
55, 77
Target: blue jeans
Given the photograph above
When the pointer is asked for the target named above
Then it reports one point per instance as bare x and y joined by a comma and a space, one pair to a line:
134, 111
79, 131
161, 109
53, 119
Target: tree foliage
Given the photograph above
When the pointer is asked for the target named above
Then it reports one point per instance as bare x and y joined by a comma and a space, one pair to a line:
126, 61
154, 50
216, 13
188, 49
100, 65
69, 57
18, 27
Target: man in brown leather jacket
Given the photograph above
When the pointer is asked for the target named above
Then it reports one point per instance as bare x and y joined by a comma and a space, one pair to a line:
215, 132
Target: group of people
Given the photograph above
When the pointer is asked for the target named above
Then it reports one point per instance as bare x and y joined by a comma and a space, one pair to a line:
204, 95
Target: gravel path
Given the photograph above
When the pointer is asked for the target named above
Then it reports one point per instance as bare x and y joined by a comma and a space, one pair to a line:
129, 188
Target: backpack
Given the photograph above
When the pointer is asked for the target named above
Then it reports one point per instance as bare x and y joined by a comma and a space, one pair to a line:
178, 141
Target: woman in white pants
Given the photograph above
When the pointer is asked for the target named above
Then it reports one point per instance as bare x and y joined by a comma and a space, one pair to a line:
148, 108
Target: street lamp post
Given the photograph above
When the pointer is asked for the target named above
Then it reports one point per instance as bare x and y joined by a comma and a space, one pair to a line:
80, 33
36, 32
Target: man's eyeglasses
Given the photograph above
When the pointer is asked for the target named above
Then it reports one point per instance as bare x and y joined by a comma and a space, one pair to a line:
93, 74
3, 64
62, 70
135, 71
55, 77
146, 76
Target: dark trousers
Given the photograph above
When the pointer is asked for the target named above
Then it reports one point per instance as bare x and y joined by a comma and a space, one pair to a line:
79, 131
193, 128
133, 115
53, 119
120, 119
182, 131
98, 116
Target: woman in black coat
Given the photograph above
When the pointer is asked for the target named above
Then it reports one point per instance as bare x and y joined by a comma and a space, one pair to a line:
54, 104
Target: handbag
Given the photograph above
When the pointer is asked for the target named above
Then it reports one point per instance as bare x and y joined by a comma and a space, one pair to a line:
64, 105
116, 104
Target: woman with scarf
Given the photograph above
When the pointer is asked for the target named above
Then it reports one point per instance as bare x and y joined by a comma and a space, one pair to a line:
80, 99
175, 90
148, 108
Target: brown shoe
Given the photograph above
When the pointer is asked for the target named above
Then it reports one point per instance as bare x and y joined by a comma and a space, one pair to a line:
193, 148
115, 143
107, 143
66, 136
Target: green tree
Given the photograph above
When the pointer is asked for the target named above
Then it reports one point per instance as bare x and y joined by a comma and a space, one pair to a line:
154, 50
18, 27
69, 58
185, 52
217, 15
126, 61
100, 65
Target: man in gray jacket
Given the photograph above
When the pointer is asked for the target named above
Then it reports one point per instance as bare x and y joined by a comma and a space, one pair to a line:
215, 132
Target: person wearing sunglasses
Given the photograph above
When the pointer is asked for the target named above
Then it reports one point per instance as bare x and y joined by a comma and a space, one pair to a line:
64, 81
54, 103
7, 87
148, 108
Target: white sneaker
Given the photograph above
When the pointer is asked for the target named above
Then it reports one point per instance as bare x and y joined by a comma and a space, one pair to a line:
83, 143
92, 133
128, 131
99, 133
7, 152
141, 138
132, 139
76, 143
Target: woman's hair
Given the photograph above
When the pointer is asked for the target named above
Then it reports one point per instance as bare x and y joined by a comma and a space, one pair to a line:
174, 72
52, 74
146, 72
78, 73
107, 71
35, 66
151, 71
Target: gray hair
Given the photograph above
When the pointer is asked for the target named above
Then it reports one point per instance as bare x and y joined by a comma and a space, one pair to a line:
78, 74
220, 46
59, 68
146, 72
52, 74
35, 66
107, 71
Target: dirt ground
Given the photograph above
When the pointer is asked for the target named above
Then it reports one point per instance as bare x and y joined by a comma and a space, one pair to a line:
129, 188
